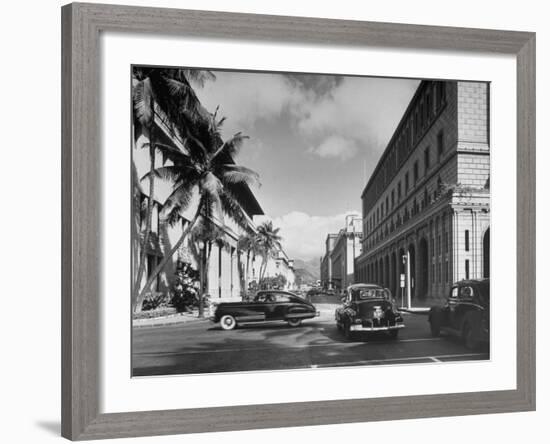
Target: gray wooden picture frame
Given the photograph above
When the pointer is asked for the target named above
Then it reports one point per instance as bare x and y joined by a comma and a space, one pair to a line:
81, 253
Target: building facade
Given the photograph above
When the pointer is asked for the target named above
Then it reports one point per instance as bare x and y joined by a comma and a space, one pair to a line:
341, 249
426, 207
326, 263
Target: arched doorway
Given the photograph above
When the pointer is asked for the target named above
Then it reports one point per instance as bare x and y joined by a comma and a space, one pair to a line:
423, 269
487, 253
412, 259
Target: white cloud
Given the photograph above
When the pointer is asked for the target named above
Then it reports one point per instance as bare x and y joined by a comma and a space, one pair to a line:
361, 111
336, 147
304, 235
247, 98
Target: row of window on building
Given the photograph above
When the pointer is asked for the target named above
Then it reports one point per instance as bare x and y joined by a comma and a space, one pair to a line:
410, 132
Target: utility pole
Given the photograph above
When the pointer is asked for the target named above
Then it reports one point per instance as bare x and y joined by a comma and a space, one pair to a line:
408, 271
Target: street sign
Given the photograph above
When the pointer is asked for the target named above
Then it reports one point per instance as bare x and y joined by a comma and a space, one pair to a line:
402, 280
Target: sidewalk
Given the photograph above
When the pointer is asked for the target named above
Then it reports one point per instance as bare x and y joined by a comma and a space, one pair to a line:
178, 318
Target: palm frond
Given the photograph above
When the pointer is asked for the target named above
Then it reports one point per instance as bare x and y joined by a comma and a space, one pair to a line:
235, 174
144, 102
182, 196
231, 147
232, 208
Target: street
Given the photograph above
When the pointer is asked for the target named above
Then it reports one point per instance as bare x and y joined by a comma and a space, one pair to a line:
203, 347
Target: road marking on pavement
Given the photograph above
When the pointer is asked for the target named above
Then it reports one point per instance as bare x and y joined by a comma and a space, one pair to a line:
410, 358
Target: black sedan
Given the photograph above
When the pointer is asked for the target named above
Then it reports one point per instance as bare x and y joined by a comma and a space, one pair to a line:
465, 313
267, 306
368, 308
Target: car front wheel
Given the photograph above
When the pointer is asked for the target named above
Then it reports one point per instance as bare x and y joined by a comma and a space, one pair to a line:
294, 322
347, 330
435, 326
228, 322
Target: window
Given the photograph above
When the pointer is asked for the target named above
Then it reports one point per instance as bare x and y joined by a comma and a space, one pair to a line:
406, 182
433, 273
439, 273
446, 242
439, 244
467, 240
387, 204
392, 198
447, 271
454, 292
467, 268
415, 171
427, 160
399, 191
440, 145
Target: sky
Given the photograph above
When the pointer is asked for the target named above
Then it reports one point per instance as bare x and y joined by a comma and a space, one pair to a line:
314, 140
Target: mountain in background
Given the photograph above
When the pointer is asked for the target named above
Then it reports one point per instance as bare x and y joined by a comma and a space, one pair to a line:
307, 272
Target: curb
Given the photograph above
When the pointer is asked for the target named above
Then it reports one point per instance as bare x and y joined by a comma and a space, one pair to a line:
170, 322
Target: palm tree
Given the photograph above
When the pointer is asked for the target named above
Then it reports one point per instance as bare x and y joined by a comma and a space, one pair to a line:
269, 242
248, 242
204, 234
206, 173
169, 91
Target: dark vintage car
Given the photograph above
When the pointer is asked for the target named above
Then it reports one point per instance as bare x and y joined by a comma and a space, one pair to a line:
266, 306
368, 308
465, 313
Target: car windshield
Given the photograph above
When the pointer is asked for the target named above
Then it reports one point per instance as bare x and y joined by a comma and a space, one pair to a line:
365, 293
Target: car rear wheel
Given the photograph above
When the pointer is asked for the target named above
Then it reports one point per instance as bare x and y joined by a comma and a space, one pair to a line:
294, 322
228, 322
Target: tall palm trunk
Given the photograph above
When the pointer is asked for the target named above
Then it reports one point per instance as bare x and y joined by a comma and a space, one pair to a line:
165, 260
205, 261
247, 273
143, 255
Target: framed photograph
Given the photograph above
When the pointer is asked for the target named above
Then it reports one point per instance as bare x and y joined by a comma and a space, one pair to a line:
284, 221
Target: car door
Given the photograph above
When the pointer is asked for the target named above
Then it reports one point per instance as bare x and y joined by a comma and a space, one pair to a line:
463, 304
452, 305
270, 306
283, 303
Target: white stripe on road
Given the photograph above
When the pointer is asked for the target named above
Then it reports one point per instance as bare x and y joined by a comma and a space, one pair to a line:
411, 358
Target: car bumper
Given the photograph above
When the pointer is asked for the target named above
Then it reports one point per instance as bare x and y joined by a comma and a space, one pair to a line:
359, 327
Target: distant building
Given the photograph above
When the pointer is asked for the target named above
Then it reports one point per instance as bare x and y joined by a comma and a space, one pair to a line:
326, 264
337, 265
427, 202
280, 265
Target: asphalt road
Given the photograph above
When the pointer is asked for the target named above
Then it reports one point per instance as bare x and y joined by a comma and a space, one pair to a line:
203, 347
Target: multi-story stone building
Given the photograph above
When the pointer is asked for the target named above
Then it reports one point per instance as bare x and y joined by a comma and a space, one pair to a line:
326, 264
337, 265
426, 206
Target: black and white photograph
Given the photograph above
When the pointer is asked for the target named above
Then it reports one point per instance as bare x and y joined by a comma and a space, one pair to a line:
307, 221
